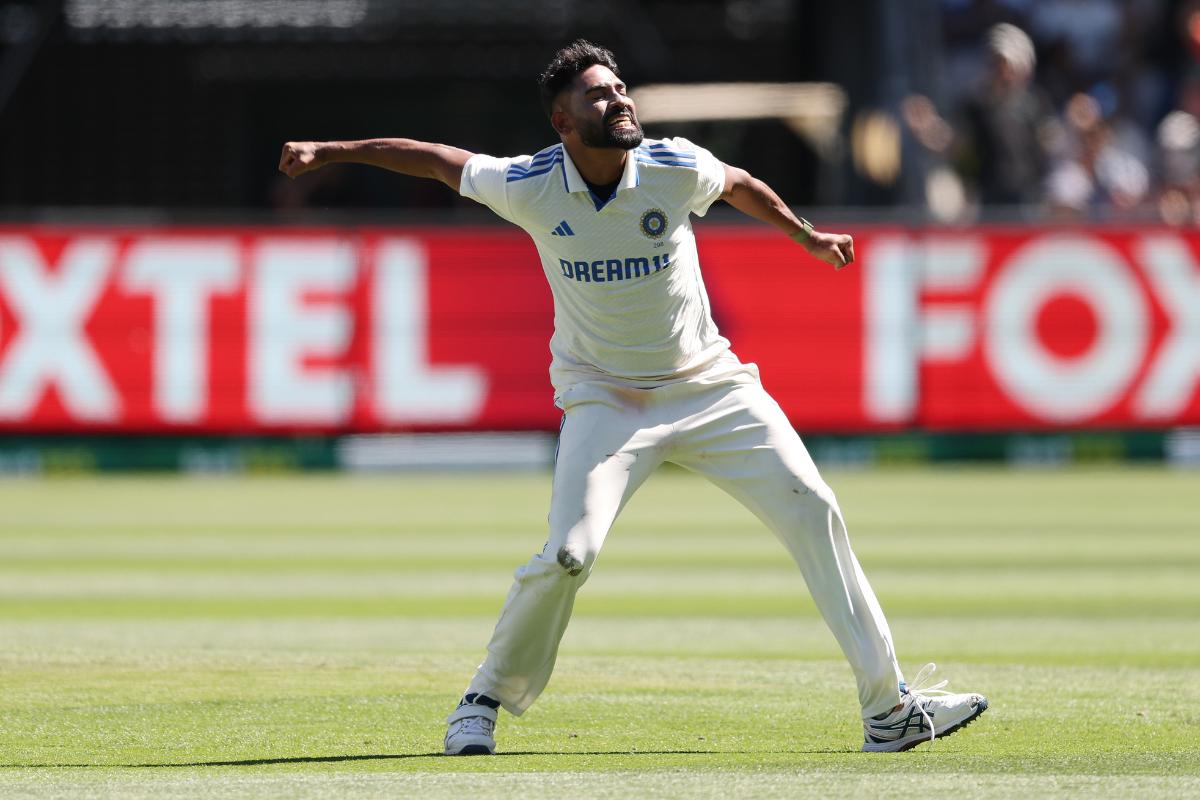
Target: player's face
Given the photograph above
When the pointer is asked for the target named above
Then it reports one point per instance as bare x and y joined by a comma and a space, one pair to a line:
600, 112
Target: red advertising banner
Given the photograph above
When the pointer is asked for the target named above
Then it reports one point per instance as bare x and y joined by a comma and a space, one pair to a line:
1038, 329
330, 330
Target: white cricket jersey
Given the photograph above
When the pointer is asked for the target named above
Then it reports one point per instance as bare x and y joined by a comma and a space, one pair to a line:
629, 301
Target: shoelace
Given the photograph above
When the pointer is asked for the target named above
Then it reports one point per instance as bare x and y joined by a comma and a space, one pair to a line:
920, 691
476, 726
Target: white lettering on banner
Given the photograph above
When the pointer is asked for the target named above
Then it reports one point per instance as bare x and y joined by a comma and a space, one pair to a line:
948, 330
285, 330
407, 387
50, 347
182, 275
952, 264
1175, 373
1051, 387
889, 341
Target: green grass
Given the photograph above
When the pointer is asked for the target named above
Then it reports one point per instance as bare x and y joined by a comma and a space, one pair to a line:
305, 637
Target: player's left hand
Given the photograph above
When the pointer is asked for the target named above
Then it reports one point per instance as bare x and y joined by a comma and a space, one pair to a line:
836, 249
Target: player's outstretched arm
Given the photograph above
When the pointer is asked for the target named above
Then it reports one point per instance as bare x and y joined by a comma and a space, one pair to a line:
407, 156
754, 198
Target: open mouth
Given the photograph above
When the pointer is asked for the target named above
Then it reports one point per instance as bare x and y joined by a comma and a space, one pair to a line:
622, 120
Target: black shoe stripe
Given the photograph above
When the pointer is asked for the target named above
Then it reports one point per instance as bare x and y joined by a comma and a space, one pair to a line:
979, 709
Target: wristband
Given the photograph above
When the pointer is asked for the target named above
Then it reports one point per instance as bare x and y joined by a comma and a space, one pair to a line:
805, 232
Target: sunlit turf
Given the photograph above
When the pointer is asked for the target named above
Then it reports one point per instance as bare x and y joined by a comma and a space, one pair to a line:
306, 636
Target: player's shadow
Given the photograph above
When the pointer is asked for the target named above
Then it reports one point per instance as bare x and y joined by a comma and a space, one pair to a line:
259, 762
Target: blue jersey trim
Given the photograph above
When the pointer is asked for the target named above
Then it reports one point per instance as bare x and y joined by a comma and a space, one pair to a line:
549, 151
544, 158
661, 148
517, 169
662, 162
597, 202
519, 174
538, 160
668, 154
670, 162
660, 153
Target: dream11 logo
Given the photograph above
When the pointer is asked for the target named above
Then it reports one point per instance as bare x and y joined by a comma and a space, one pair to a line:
1069, 328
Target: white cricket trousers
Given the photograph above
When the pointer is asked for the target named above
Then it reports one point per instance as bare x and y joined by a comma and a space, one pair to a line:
731, 432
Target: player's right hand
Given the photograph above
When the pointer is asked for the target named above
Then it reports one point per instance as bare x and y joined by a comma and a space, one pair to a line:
299, 157
835, 249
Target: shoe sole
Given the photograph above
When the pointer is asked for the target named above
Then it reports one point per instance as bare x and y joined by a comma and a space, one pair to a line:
473, 750
979, 709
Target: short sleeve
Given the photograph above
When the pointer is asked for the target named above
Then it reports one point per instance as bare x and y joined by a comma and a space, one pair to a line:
484, 180
710, 177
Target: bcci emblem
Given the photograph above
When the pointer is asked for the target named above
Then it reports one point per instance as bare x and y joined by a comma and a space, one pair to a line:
654, 223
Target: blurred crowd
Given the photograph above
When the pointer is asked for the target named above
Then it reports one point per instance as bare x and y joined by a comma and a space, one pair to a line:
1084, 109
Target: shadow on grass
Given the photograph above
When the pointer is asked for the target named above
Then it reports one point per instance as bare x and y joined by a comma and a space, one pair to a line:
258, 762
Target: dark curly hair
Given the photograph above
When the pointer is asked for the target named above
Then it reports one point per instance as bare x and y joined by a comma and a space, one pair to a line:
569, 62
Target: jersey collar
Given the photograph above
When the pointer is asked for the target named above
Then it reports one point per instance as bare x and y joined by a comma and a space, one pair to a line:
574, 182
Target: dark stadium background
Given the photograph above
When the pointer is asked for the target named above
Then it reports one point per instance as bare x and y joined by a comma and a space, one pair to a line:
103, 107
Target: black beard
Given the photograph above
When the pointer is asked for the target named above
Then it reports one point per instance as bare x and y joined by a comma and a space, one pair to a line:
606, 136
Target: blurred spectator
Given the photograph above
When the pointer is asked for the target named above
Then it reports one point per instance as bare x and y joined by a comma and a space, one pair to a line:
965, 24
1003, 122
1112, 69
1093, 175
1179, 165
997, 143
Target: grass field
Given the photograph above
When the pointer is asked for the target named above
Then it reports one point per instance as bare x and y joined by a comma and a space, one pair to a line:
306, 636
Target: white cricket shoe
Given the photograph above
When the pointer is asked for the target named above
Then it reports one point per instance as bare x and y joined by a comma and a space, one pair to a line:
471, 731
925, 713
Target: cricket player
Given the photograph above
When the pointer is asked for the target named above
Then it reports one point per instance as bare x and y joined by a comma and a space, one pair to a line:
643, 377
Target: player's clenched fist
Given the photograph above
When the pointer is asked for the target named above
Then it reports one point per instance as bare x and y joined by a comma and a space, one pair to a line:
832, 248
300, 157
836, 249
